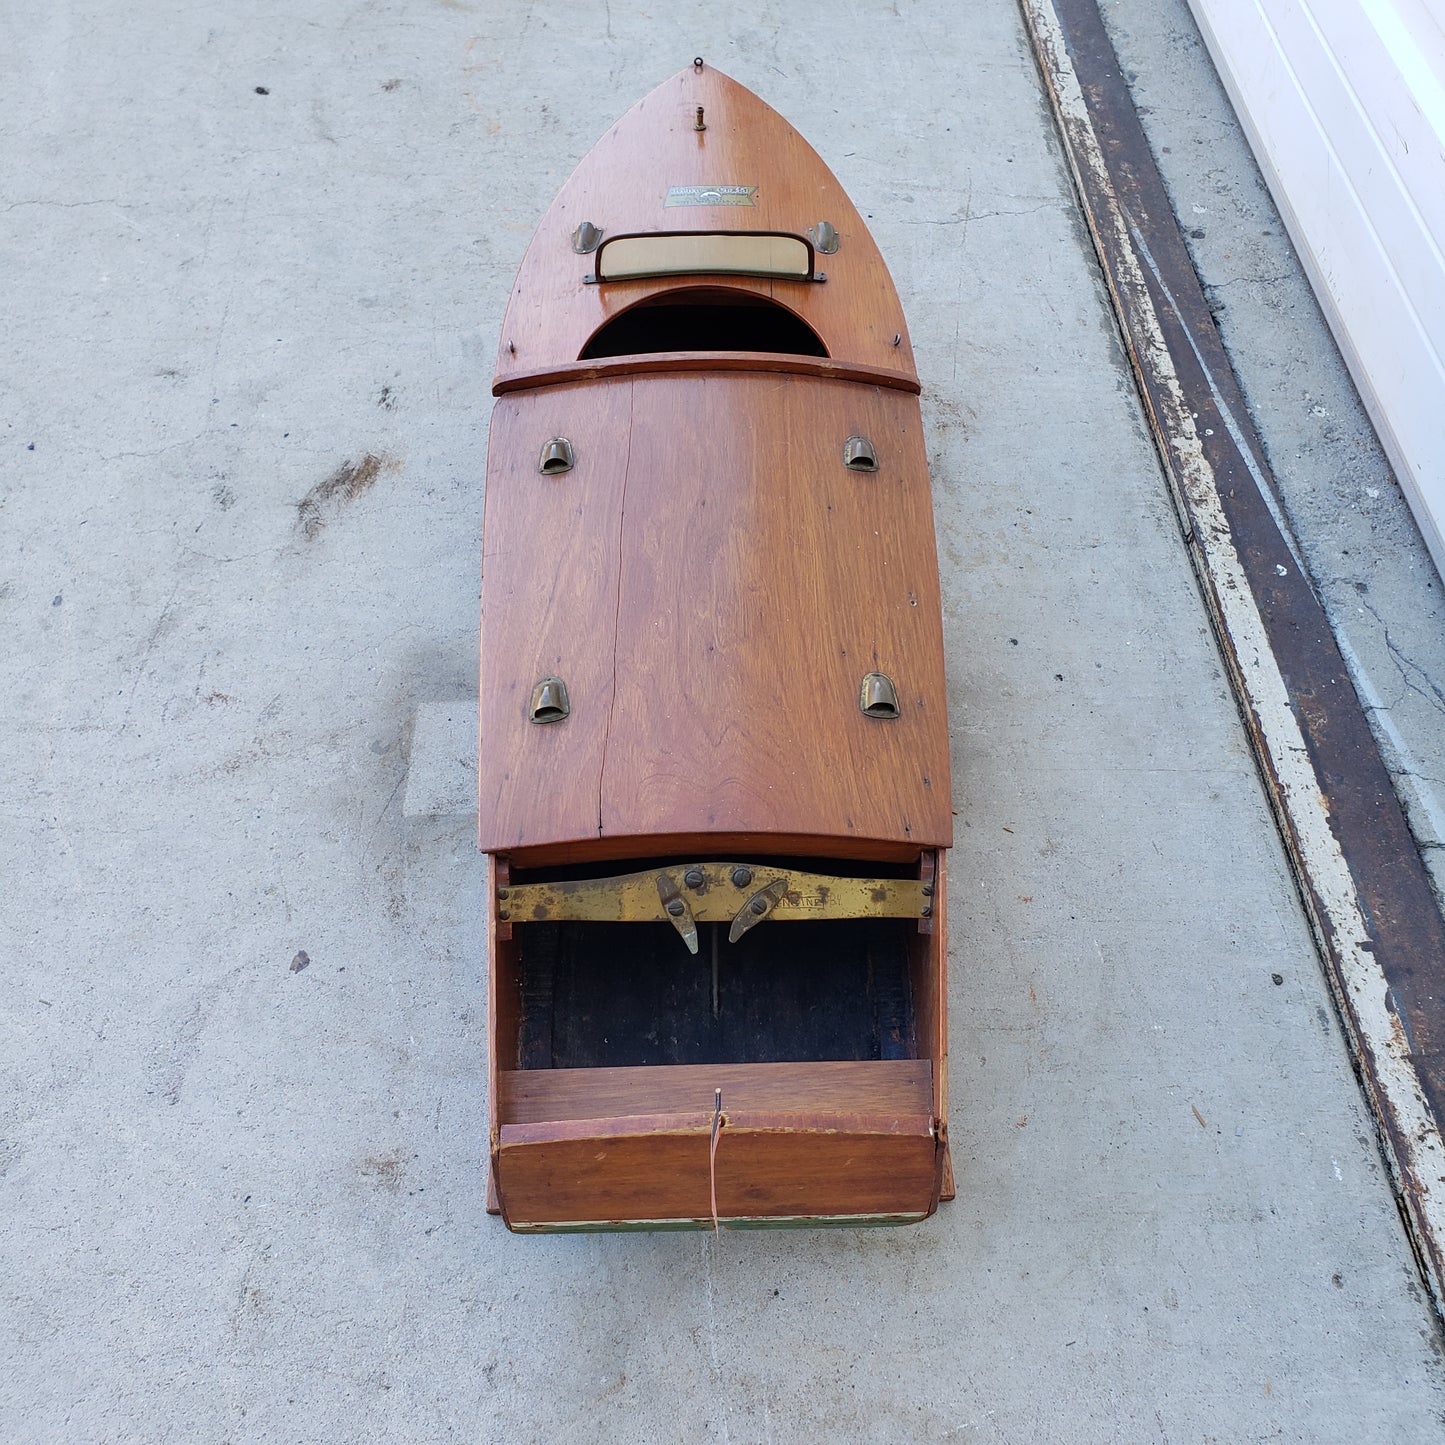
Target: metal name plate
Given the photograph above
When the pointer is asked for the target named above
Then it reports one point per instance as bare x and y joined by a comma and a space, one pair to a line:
711, 196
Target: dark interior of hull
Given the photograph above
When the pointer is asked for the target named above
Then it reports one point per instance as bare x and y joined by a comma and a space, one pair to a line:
608, 995
696, 319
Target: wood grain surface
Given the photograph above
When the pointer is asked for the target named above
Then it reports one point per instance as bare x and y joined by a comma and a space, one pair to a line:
551, 559
678, 363
928, 965
878, 1087
622, 186
656, 1167
601, 850
712, 583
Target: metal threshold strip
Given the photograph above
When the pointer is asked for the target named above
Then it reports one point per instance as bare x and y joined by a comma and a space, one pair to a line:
1365, 890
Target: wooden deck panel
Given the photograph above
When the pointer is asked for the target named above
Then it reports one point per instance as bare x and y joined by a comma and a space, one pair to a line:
713, 613
550, 566
761, 580
622, 184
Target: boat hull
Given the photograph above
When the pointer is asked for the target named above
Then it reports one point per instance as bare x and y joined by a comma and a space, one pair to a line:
713, 783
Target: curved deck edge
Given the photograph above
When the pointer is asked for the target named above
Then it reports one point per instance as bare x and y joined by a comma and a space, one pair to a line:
562, 852
682, 362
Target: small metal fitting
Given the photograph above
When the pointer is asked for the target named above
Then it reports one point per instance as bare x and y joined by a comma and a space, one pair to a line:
557, 457
585, 238
824, 237
859, 456
549, 701
878, 698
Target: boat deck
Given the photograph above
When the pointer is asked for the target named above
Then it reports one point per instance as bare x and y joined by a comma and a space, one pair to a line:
242, 1081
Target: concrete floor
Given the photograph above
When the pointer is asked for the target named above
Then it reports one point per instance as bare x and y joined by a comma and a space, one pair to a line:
249, 338
1354, 527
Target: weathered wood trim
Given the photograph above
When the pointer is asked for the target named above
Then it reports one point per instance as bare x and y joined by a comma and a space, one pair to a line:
698, 1124
749, 1222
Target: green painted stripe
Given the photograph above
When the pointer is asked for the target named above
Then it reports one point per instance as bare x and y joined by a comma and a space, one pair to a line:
785, 1221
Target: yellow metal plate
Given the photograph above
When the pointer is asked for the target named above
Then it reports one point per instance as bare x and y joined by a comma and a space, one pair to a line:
714, 893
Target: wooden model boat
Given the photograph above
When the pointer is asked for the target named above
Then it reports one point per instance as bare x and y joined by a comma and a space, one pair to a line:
714, 776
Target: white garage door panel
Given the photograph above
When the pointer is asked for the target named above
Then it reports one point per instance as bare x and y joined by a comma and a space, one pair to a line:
1344, 104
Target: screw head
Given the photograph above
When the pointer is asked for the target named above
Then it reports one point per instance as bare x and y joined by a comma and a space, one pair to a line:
742, 877
504, 893
928, 911
928, 890
676, 908
693, 877
759, 906
503, 914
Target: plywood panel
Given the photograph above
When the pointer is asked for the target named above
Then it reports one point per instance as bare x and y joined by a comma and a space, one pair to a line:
778, 1172
654, 1170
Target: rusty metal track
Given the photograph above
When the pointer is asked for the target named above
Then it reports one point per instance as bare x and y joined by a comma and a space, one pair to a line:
1366, 892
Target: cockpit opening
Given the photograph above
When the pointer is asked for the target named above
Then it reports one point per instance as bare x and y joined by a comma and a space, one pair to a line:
700, 318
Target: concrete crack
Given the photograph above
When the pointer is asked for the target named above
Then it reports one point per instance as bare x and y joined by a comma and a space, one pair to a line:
1409, 669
